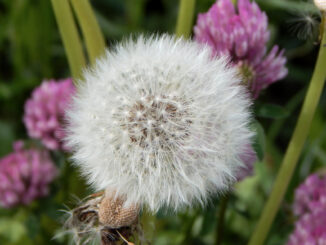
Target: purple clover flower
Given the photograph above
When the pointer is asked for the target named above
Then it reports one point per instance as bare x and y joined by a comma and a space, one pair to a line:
242, 35
310, 229
44, 112
25, 175
310, 195
248, 158
310, 207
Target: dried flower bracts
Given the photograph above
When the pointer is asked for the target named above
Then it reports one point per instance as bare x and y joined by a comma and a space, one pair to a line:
104, 218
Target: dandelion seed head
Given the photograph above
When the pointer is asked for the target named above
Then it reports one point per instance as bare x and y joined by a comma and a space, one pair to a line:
177, 138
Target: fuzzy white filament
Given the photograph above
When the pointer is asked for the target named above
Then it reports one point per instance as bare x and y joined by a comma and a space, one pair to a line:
321, 4
161, 122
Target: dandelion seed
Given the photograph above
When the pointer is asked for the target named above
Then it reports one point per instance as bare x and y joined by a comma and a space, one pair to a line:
305, 25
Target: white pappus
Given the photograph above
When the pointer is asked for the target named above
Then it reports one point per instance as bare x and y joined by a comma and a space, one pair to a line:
161, 122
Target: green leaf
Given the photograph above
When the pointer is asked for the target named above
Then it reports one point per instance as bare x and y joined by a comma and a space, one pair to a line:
209, 222
33, 226
185, 18
259, 140
93, 36
70, 36
7, 136
272, 111
291, 6
12, 229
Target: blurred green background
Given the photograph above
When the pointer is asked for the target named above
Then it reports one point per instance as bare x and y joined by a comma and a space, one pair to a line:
31, 50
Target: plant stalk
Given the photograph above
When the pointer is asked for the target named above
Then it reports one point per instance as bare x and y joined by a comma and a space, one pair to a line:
221, 217
70, 37
295, 146
94, 39
185, 18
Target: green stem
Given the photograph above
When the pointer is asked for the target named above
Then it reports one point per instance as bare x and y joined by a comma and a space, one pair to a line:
70, 37
148, 222
188, 229
221, 216
295, 146
94, 39
185, 17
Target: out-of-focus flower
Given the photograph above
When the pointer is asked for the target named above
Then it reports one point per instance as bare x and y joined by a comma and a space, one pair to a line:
310, 229
242, 35
160, 122
310, 207
310, 195
44, 112
25, 175
321, 4
249, 157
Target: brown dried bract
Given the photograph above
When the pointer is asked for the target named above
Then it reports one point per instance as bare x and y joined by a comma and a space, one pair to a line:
108, 215
111, 236
114, 214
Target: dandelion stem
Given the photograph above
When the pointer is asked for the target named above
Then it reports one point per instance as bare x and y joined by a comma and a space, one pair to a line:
295, 146
185, 17
94, 39
221, 215
70, 37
